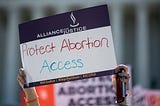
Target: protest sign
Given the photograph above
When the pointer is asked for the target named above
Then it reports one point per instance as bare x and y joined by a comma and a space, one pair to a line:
69, 46
97, 91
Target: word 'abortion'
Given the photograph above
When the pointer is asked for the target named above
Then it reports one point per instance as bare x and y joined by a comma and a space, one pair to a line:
66, 44
97, 91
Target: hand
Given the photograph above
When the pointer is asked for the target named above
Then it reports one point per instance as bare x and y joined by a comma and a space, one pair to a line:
30, 93
126, 75
21, 78
125, 80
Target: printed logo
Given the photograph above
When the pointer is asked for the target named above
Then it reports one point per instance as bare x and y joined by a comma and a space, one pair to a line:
74, 24
74, 27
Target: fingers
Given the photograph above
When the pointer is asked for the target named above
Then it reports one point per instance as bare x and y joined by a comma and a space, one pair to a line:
21, 77
22, 73
21, 70
125, 78
126, 75
20, 80
118, 68
122, 66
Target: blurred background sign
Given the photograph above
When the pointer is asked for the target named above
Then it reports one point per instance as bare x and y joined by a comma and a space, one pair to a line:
88, 92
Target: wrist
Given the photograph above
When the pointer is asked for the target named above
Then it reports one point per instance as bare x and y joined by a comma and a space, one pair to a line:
30, 93
31, 100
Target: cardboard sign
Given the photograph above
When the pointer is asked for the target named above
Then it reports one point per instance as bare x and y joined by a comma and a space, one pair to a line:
69, 46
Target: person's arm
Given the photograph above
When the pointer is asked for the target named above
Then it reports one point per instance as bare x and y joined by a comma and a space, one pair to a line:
31, 96
126, 80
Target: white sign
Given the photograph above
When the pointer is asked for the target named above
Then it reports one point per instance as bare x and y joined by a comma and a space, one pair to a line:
67, 47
